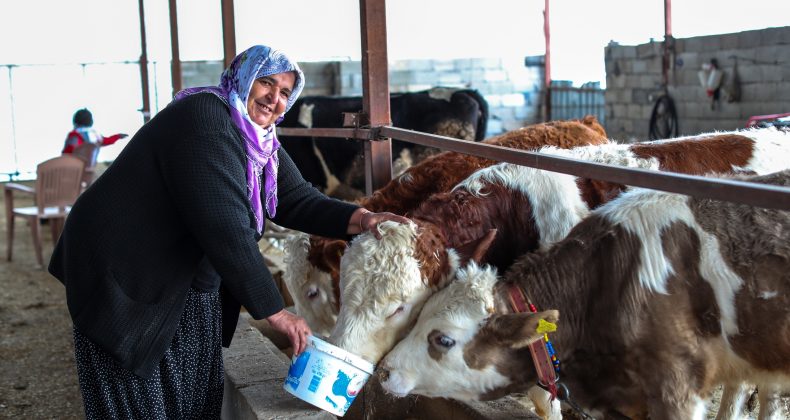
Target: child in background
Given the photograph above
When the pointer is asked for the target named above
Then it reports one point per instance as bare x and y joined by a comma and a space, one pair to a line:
83, 132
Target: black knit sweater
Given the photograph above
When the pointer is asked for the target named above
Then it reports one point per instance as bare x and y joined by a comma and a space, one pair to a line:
177, 192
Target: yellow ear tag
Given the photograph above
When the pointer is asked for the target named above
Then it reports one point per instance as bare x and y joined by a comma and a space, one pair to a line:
546, 327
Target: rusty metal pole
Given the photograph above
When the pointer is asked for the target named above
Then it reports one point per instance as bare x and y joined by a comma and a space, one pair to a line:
146, 108
668, 43
375, 91
175, 64
547, 61
228, 32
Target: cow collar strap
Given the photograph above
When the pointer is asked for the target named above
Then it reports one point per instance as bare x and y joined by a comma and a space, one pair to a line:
544, 357
547, 364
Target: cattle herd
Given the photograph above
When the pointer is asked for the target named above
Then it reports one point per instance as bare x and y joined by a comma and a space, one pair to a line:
331, 164
657, 298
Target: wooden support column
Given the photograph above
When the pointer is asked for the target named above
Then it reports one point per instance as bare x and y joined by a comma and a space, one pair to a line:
228, 32
146, 108
375, 91
175, 63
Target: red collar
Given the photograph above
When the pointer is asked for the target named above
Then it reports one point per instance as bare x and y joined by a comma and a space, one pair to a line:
547, 376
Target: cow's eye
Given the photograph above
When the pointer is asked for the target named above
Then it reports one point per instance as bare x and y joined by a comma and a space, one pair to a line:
312, 293
397, 310
444, 341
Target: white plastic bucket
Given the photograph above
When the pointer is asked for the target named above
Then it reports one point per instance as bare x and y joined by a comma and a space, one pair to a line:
327, 377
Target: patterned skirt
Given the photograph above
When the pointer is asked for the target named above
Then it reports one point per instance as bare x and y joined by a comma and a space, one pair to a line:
187, 384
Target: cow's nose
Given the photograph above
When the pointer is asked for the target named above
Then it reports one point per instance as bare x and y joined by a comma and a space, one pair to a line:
384, 374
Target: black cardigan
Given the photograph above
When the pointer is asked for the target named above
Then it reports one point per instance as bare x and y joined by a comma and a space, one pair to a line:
177, 192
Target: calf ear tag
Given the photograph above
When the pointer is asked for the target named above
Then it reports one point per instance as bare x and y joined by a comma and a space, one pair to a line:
545, 327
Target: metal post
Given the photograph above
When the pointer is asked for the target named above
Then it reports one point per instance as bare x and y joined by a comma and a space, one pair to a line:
547, 61
175, 64
668, 43
228, 32
13, 122
146, 108
375, 91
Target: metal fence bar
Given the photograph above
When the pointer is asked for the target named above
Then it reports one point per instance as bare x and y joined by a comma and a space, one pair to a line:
345, 133
760, 195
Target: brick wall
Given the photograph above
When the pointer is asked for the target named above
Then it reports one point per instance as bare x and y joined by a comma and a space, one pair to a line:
511, 88
633, 81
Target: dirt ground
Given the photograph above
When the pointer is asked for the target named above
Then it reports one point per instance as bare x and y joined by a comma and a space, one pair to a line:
38, 378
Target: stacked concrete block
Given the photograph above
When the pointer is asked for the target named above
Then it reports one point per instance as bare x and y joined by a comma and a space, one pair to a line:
321, 78
634, 82
201, 73
511, 89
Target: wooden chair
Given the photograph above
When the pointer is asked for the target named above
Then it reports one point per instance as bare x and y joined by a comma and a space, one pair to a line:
58, 184
89, 153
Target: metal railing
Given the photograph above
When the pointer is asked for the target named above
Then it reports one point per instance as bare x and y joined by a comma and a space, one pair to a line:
760, 195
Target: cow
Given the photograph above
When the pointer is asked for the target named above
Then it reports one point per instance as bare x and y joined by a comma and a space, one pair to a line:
462, 220
457, 113
313, 263
385, 282
661, 296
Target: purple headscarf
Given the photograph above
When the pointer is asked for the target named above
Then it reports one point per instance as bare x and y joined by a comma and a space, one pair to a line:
261, 143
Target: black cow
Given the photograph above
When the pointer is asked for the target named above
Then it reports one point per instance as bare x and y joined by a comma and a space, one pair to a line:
457, 113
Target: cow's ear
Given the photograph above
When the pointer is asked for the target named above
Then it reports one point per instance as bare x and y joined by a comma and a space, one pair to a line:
333, 251
476, 249
518, 330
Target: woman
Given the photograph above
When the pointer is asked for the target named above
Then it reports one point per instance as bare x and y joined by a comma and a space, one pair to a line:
160, 253
84, 132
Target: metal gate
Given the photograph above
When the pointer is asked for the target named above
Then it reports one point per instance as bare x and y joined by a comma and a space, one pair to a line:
568, 102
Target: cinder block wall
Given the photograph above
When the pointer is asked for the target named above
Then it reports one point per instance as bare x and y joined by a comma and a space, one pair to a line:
633, 81
511, 89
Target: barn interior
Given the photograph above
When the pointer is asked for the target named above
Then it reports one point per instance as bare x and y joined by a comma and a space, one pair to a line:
662, 87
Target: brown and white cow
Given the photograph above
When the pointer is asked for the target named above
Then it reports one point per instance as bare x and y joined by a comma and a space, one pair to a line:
662, 296
384, 283
313, 263
378, 297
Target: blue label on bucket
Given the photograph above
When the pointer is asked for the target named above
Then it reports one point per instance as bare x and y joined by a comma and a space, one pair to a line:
325, 380
319, 370
346, 387
297, 369
314, 383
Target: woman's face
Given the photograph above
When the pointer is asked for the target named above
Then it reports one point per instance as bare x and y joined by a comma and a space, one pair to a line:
269, 96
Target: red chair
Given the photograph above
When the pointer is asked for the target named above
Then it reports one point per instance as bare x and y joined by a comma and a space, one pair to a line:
58, 184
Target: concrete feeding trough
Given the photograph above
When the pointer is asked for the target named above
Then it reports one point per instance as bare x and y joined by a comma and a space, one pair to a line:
257, 364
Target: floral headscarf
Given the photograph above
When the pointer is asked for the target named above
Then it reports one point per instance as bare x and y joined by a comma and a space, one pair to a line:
261, 143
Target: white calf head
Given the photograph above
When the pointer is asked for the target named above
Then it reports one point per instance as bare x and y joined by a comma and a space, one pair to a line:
459, 348
382, 290
311, 287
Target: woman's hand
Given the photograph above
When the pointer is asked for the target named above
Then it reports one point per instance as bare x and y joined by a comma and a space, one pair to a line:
294, 326
364, 220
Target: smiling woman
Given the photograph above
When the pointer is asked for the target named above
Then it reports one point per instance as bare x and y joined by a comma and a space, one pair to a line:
181, 211
269, 96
